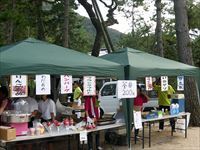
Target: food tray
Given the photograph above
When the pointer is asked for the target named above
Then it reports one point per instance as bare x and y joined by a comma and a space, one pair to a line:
106, 121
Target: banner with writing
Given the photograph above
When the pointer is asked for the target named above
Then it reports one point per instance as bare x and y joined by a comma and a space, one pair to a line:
149, 83
180, 83
127, 88
164, 83
66, 84
19, 86
89, 85
43, 84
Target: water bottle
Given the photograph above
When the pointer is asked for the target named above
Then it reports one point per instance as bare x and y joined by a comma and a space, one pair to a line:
177, 108
172, 109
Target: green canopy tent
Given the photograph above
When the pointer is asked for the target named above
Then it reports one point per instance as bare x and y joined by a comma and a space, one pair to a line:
32, 56
140, 64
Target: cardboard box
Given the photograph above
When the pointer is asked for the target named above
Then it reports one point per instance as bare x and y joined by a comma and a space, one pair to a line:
7, 133
178, 96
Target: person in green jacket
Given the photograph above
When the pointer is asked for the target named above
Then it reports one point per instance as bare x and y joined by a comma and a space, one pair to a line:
164, 102
77, 96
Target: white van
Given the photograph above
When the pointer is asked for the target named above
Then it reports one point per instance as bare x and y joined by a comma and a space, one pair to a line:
110, 103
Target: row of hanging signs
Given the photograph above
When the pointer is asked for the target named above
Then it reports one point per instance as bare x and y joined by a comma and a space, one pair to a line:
164, 83
126, 88
43, 85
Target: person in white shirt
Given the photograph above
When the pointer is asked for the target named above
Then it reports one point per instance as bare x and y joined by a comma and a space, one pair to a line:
33, 105
32, 109
47, 108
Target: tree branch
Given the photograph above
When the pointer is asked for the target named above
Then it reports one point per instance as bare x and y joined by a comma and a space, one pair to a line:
88, 8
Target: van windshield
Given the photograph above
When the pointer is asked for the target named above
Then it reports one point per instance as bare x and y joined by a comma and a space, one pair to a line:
108, 90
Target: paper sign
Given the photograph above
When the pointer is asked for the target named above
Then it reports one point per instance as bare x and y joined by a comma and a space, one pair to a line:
43, 84
164, 83
180, 83
127, 88
66, 84
89, 85
137, 119
149, 83
19, 86
83, 136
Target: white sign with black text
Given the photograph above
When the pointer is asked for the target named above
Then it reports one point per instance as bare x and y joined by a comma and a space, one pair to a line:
83, 136
149, 83
43, 84
127, 88
180, 83
137, 119
164, 83
66, 84
89, 85
19, 85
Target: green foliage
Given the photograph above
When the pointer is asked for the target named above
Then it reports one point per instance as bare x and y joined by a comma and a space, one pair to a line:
194, 25
24, 16
193, 14
114, 34
196, 51
142, 37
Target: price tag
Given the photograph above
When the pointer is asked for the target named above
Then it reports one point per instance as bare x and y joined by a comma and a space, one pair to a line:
137, 119
83, 136
127, 88
164, 83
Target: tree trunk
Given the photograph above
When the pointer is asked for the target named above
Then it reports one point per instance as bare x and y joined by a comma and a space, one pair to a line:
9, 26
40, 27
97, 44
158, 32
66, 24
185, 55
96, 24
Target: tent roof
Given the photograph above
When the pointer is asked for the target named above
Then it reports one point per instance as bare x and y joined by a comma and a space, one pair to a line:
144, 64
32, 56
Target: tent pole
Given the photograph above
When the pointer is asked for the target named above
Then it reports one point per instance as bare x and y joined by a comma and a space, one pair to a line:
128, 107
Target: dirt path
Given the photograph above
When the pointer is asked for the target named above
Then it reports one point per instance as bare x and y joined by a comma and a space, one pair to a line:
164, 141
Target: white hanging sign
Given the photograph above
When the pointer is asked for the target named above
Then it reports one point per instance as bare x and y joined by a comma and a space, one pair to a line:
89, 85
127, 88
19, 86
180, 83
149, 83
66, 84
43, 84
137, 119
164, 83
83, 136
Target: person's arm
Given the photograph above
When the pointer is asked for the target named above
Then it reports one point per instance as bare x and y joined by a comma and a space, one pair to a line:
52, 110
34, 113
39, 112
79, 94
146, 97
87, 106
35, 109
155, 86
170, 91
3, 105
52, 116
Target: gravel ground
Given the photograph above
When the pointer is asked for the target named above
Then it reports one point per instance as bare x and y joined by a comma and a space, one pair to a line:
164, 141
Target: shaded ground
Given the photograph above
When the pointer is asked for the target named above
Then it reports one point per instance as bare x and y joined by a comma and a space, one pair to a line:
164, 141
